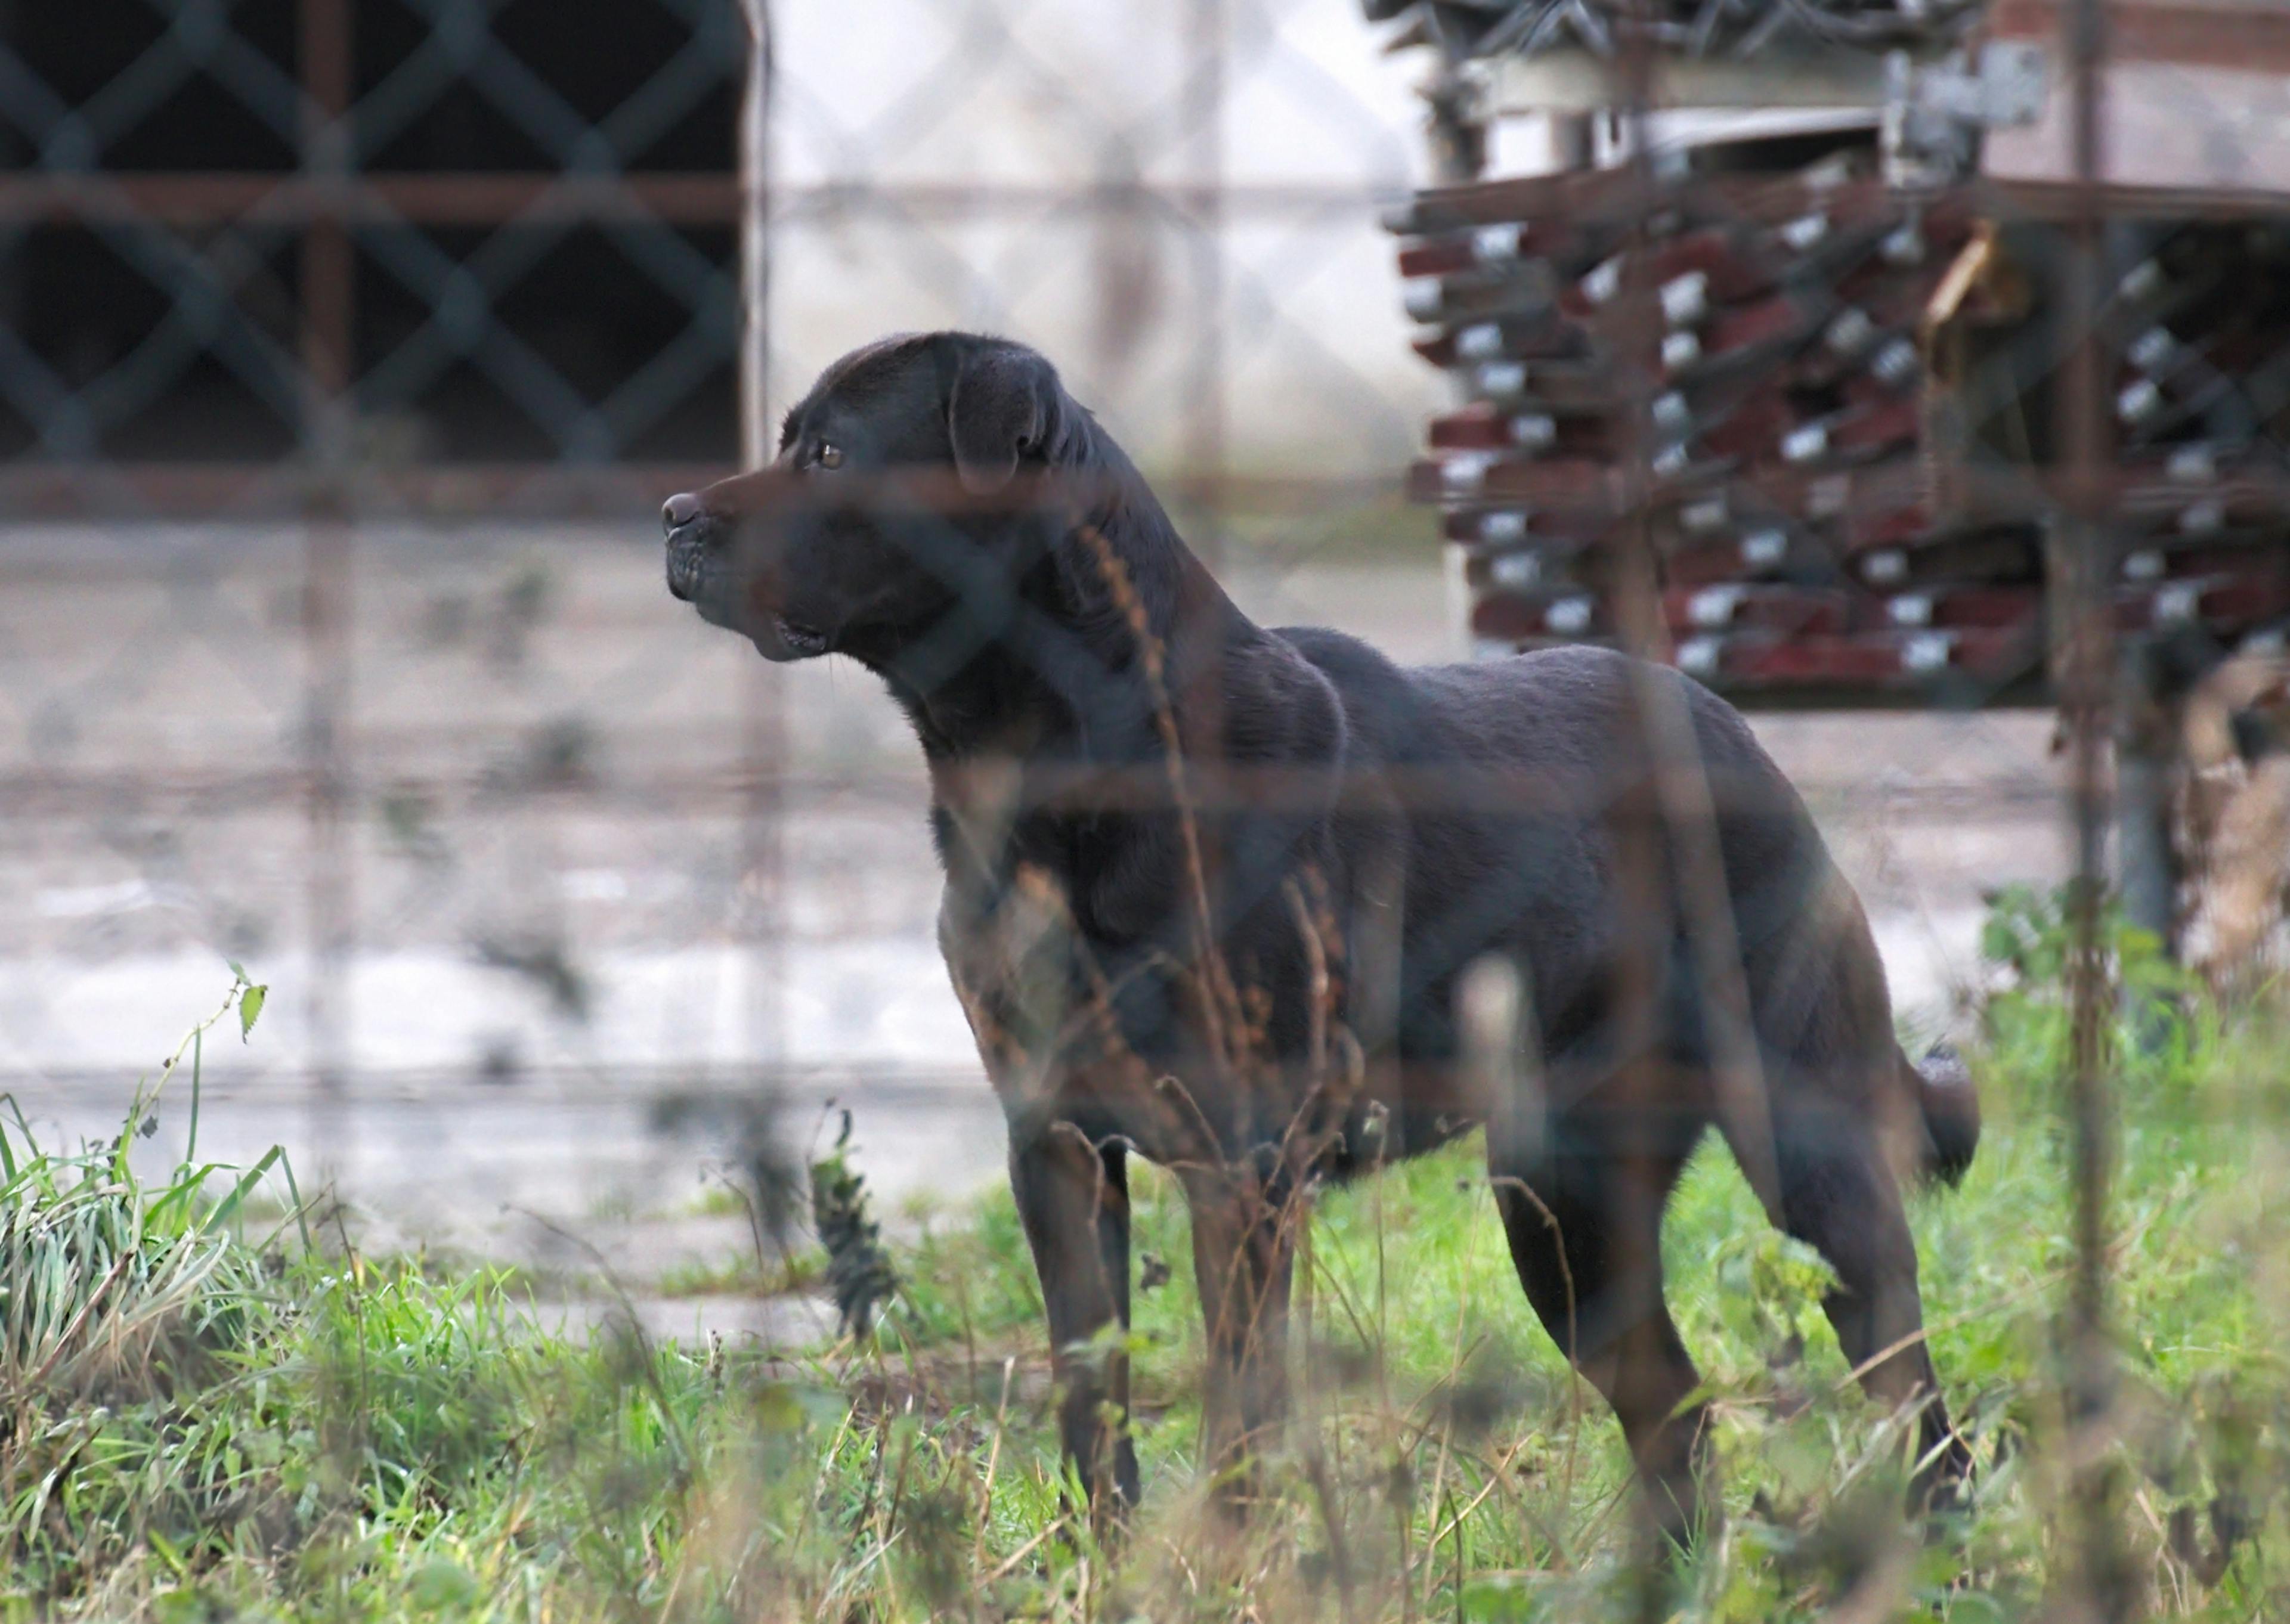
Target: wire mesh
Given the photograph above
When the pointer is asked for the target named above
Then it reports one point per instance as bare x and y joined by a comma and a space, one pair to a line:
344, 341
347, 345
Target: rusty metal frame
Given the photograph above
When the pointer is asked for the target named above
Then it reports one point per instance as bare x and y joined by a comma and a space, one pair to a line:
2081, 497
2253, 34
477, 198
324, 199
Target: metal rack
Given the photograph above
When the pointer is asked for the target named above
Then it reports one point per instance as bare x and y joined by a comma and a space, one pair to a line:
1829, 527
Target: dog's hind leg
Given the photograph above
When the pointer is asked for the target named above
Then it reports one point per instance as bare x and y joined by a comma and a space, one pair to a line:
1074, 1205
1839, 1196
1585, 1231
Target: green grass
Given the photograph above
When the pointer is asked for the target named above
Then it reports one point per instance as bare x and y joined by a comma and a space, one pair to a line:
355, 1438
735, 1274
716, 1201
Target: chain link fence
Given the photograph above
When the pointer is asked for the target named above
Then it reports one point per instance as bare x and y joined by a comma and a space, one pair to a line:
345, 341
1912, 373
348, 348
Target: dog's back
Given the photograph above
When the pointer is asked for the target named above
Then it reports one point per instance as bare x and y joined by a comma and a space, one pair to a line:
1517, 779
1517, 776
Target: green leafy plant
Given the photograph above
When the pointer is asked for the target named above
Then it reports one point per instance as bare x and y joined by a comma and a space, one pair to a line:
2027, 941
118, 1294
860, 1274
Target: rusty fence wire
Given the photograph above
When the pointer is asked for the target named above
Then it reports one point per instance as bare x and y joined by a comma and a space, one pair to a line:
348, 348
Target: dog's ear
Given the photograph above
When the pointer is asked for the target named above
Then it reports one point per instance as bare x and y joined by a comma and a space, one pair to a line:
1001, 407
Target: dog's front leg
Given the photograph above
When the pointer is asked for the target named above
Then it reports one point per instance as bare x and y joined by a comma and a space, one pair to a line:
1074, 1203
1244, 1253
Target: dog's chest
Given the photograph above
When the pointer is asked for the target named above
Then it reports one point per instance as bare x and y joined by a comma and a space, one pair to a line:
1010, 952
1006, 925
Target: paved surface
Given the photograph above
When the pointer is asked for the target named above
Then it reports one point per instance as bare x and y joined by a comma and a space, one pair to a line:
570, 948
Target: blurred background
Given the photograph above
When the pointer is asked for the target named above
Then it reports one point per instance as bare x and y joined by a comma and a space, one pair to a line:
347, 347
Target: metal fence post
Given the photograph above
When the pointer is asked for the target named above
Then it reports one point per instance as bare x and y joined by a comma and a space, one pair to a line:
327, 340
2083, 629
764, 916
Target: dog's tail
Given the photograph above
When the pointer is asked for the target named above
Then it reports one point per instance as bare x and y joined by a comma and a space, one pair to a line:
1941, 1086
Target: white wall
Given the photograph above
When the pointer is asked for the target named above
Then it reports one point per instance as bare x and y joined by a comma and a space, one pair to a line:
1047, 98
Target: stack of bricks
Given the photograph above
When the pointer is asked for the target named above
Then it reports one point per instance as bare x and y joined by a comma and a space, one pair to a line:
2194, 326
1751, 351
2199, 330
1739, 381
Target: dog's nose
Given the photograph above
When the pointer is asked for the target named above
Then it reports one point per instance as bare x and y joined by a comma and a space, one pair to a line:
678, 511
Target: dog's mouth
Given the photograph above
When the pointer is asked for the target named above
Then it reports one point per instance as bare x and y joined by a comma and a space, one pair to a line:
697, 573
791, 640
701, 576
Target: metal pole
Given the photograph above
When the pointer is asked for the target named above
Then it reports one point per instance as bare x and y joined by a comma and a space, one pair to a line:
1204, 402
2081, 575
2146, 753
1664, 825
326, 340
1198, 689
755, 238
763, 912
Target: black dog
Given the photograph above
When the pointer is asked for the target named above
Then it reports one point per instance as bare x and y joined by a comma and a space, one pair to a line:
1211, 889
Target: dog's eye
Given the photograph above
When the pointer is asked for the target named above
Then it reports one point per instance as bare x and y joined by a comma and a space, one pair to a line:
827, 456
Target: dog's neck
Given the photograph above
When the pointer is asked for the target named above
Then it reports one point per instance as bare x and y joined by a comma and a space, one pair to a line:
1065, 676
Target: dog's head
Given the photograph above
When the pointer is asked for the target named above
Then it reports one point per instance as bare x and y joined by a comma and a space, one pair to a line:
907, 484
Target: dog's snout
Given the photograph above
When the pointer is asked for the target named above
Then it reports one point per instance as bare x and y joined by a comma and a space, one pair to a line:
691, 545
678, 511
